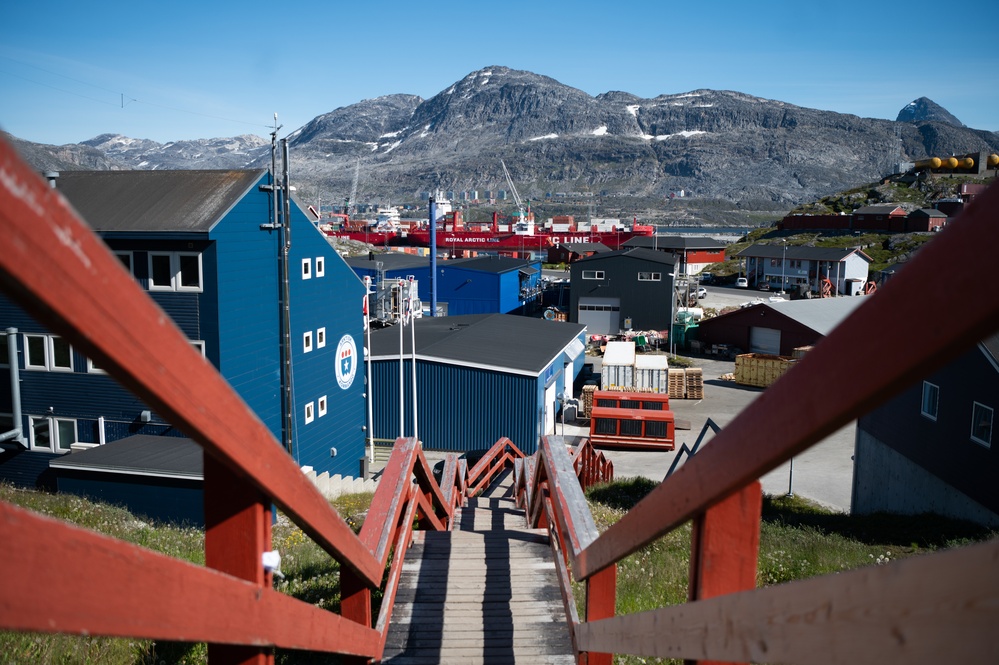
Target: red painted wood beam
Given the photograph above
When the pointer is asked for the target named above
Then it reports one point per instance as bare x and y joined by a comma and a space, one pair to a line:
237, 533
881, 348
389, 501
85, 295
103, 586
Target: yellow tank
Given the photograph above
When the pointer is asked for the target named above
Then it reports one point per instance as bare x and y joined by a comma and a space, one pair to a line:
966, 163
931, 163
949, 163
993, 160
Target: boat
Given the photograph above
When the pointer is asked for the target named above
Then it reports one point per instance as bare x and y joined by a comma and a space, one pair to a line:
380, 231
520, 233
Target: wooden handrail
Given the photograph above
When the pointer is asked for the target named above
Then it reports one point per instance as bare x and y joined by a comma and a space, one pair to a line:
85, 295
793, 414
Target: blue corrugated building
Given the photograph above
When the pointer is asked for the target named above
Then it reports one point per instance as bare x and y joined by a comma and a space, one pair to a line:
479, 377
478, 285
198, 243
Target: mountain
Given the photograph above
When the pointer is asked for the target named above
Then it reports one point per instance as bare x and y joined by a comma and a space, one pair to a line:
554, 138
926, 110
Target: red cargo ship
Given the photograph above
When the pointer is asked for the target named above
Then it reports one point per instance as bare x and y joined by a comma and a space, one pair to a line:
520, 234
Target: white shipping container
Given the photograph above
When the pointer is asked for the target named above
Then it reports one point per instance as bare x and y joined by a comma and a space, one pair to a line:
618, 366
652, 373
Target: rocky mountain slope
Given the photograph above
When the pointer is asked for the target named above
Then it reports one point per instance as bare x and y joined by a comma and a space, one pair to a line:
554, 138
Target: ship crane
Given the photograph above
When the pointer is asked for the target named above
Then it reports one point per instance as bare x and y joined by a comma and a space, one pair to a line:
352, 199
513, 189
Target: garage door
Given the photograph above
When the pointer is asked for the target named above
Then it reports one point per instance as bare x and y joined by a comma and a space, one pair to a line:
764, 340
601, 316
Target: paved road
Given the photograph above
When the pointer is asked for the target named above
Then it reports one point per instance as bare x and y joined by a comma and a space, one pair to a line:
823, 474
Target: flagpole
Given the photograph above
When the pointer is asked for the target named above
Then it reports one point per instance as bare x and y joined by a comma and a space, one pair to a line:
402, 375
371, 395
412, 331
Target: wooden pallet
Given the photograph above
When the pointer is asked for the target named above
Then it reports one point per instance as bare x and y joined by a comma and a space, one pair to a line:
695, 383
676, 383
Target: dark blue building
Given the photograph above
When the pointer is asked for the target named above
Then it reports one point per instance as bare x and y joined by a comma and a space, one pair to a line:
202, 246
479, 377
479, 285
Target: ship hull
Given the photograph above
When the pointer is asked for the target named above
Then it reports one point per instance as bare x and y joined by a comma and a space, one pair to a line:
487, 240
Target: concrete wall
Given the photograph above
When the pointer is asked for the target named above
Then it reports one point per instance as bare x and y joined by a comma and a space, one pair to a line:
886, 481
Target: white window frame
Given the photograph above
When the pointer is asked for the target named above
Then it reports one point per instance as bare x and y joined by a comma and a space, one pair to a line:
306, 268
321, 338
48, 354
320, 266
974, 410
927, 389
55, 440
322, 406
647, 276
199, 346
310, 412
176, 283
307, 341
593, 274
130, 267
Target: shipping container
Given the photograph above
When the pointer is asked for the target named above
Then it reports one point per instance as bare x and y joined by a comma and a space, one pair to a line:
618, 368
760, 370
651, 373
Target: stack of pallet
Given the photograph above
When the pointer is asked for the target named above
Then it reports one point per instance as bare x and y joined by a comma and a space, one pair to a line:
676, 383
588, 400
695, 383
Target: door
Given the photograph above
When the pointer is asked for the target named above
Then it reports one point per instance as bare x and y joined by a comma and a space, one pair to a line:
550, 407
601, 316
764, 340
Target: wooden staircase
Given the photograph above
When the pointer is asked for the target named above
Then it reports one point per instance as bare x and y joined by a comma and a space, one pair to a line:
484, 593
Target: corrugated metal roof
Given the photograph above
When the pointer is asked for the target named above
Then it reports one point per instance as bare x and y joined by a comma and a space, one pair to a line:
494, 264
819, 314
155, 201
632, 252
675, 242
802, 252
139, 455
878, 210
501, 341
586, 246
390, 261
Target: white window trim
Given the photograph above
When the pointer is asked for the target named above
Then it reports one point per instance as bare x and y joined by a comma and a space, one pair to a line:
320, 266
987, 444
53, 434
131, 260
307, 341
175, 279
310, 413
322, 406
321, 338
306, 268
651, 276
593, 274
922, 402
48, 354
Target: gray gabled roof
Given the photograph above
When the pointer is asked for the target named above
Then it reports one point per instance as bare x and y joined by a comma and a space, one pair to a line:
652, 255
139, 455
878, 209
927, 212
493, 264
819, 314
390, 261
675, 242
802, 252
504, 342
155, 201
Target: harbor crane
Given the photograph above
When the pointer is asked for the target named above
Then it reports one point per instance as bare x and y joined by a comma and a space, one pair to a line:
513, 189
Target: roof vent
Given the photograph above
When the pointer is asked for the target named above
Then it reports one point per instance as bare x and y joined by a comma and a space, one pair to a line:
52, 176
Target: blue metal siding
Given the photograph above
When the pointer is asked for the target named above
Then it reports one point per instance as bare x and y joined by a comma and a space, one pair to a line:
246, 279
333, 302
467, 291
459, 408
163, 499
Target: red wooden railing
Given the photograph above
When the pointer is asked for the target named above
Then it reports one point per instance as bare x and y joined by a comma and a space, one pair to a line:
937, 608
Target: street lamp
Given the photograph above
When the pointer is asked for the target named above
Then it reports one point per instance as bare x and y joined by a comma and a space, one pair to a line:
783, 266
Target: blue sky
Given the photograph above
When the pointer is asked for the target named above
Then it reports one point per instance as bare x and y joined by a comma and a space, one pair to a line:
70, 71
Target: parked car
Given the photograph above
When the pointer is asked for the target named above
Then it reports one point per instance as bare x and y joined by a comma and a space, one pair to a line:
702, 293
763, 286
742, 283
